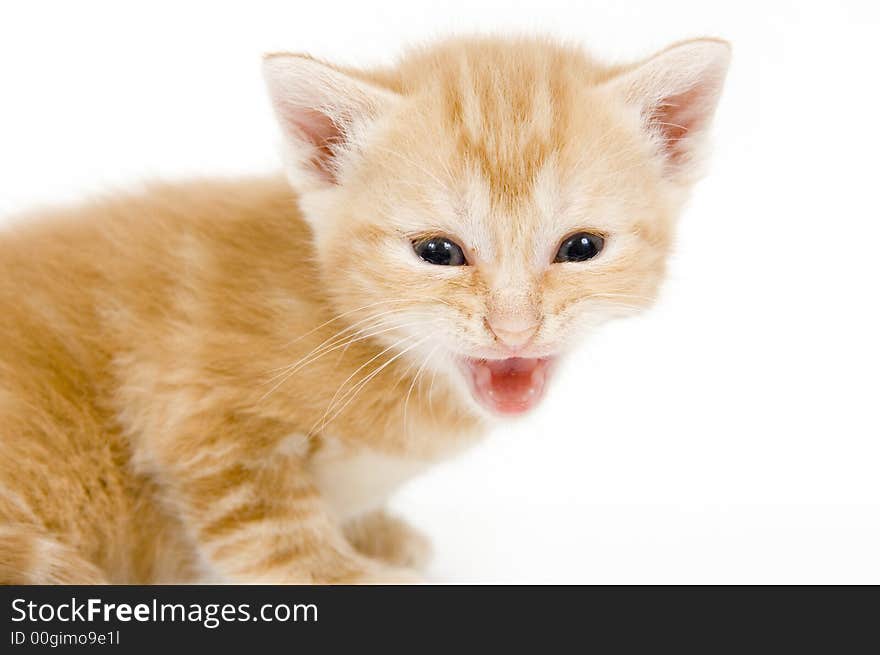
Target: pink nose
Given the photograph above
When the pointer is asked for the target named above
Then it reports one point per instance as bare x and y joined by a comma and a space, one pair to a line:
512, 332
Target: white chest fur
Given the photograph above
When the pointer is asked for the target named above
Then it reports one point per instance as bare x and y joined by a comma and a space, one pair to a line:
355, 482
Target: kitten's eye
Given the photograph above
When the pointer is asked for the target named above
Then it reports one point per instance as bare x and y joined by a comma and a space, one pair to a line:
440, 251
579, 247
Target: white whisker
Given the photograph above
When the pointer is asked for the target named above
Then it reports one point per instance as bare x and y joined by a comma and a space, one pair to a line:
412, 385
353, 393
359, 337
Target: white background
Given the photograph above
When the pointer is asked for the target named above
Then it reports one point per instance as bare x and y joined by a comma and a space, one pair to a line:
729, 436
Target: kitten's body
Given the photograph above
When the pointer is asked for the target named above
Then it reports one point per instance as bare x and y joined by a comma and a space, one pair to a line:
138, 310
185, 377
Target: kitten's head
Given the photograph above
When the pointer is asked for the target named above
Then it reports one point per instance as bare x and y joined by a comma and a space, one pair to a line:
482, 205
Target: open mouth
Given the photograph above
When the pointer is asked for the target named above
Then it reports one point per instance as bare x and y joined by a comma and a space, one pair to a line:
508, 386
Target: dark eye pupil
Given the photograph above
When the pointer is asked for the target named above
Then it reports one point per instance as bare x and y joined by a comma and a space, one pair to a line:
580, 247
440, 251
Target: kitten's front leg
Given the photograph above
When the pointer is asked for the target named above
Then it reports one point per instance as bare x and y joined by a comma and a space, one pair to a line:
253, 512
387, 538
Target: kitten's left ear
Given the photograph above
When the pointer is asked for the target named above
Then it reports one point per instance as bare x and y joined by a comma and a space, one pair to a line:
676, 92
324, 114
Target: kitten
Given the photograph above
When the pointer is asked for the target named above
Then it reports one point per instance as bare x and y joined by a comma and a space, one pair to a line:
224, 381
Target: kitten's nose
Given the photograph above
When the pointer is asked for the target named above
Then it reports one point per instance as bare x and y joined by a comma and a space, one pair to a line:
512, 332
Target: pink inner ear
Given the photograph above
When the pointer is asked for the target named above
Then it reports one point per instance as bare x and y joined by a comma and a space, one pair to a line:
319, 130
679, 116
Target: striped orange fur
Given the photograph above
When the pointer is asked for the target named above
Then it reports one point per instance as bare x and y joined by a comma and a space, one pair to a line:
224, 380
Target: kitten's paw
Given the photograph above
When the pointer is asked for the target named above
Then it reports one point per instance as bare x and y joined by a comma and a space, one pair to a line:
389, 539
351, 569
389, 575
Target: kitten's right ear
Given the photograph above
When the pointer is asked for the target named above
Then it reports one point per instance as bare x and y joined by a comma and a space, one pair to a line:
324, 114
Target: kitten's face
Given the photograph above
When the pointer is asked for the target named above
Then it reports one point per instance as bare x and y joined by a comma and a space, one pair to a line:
480, 222
488, 286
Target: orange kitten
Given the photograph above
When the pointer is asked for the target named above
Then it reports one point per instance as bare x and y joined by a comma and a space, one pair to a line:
225, 381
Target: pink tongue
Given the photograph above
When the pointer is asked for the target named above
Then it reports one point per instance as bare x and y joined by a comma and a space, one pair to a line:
509, 386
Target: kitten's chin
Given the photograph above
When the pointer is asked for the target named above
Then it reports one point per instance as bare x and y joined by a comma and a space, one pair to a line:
508, 387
